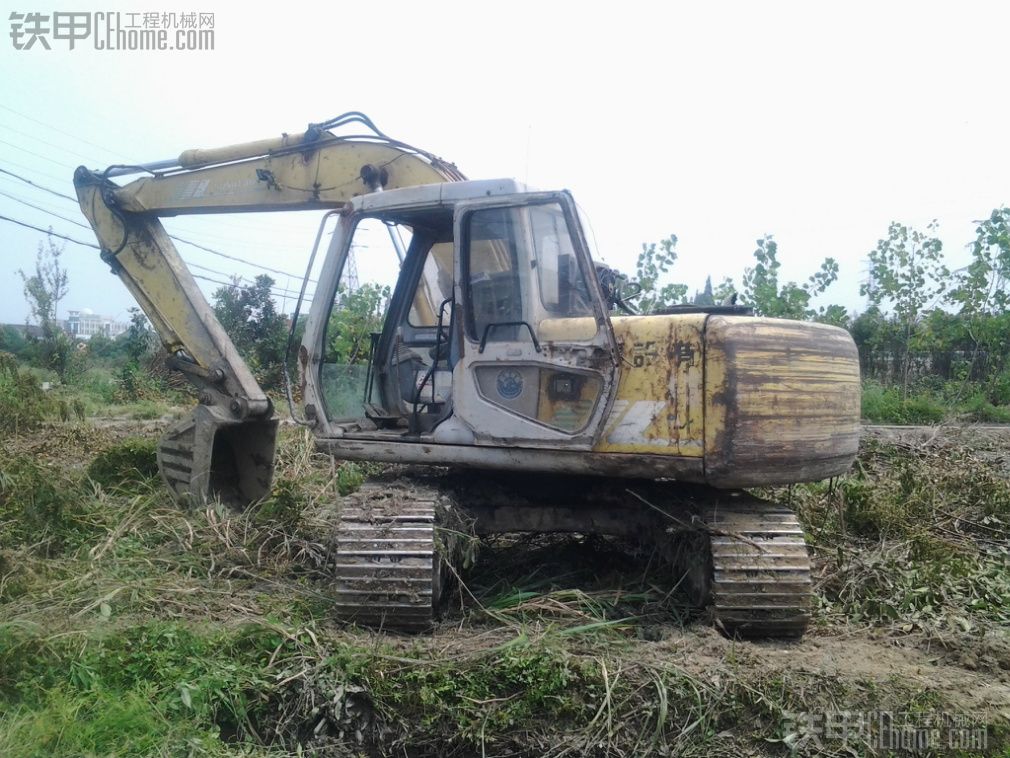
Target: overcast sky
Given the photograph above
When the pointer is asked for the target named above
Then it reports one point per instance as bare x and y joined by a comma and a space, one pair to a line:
719, 122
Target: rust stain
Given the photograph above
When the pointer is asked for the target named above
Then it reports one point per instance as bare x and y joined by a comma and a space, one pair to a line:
789, 402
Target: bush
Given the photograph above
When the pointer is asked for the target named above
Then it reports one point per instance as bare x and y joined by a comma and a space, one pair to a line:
13, 341
135, 383
99, 385
38, 506
998, 389
980, 410
887, 406
23, 404
130, 461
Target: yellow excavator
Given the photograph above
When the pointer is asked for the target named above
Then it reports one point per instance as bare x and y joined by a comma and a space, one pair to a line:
505, 356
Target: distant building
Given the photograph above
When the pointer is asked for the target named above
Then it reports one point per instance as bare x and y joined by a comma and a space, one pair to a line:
85, 324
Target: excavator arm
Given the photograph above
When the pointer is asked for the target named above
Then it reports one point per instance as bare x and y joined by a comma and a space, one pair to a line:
225, 448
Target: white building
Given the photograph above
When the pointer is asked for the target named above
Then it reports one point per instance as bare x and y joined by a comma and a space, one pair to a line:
84, 324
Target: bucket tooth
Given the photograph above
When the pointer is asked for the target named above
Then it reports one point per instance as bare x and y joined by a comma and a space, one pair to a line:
209, 455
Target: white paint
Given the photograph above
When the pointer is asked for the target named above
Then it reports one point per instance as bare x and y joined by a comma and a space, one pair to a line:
630, 419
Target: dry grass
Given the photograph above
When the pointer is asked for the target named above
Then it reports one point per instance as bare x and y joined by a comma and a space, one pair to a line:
130, 627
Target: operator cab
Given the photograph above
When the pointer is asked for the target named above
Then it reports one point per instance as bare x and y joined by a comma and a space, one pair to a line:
460, 313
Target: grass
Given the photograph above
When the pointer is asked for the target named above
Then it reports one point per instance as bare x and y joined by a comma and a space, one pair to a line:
131, 460
916, 537
24, 405
920, 405
129, 627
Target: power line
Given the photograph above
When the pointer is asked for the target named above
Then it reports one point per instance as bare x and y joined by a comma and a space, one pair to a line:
172, 236
40, 173
75, 202
37, 186
61, 164
40, 208
281, 293
20, 133
277, 290
240, 286
78, 156
211, 270
235, 258
49, 231
223, 235
56, 129
46, 203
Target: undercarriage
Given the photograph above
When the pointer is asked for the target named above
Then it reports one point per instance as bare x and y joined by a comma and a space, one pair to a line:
399, 543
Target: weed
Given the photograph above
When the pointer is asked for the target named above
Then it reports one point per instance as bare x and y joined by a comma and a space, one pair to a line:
23, 403
130, 461
888, 405
931, 403
915, 538
129, 627
39, 507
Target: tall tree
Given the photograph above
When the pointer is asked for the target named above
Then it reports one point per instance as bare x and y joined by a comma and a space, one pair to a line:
356, 314
653, 262
249, 316
47, 285
907, 274
980, 291
136, 343
981, 286
44, 288
761, 288
725, 292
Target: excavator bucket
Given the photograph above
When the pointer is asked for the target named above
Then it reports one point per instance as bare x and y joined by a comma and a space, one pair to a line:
211, 456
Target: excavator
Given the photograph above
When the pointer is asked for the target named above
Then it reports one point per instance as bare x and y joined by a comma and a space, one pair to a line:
509, 376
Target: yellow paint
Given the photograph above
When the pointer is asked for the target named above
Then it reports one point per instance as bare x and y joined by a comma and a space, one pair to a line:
324, 175
761, 399
659, 405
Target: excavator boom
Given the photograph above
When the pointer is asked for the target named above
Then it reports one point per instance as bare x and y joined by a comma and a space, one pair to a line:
226, 447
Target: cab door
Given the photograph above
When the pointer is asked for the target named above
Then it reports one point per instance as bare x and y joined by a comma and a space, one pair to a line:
539, 359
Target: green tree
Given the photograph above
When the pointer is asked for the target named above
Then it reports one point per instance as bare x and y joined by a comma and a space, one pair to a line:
725, 292
762, 291
980, 293
907, 272
907, 275
138, 342
653, 262
13, 341
835, 315
103, 347
249, 316
981, 287
136, 345
44, 288
47, 285
356, 314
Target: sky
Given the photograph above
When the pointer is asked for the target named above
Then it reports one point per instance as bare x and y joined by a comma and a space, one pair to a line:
719, 122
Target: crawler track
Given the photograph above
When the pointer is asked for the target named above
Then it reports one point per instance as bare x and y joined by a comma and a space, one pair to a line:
760, 580
744, 559
389, 572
